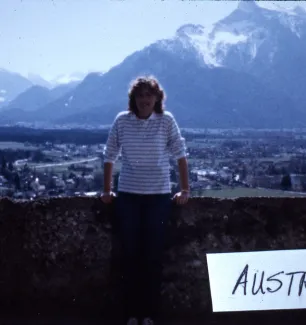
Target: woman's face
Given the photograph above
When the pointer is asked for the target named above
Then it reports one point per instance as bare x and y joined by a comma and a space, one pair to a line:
145, 101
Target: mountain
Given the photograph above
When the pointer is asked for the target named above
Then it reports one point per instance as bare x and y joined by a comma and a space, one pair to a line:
64, 79
239, 72
35, 98
197, 95
268, 44
32, 99
62, 89
39, 81
210, 103
11, 85
75, 98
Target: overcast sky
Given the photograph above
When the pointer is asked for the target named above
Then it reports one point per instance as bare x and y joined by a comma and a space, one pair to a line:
54, 37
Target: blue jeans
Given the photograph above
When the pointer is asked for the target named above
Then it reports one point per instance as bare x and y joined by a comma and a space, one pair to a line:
142, 222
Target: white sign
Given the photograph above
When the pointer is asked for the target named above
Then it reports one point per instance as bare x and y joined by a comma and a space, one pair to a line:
267, 280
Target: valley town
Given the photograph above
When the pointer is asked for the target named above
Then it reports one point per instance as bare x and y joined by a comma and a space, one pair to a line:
222, 163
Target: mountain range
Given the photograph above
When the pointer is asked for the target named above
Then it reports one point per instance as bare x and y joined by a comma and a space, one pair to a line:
31, 92
247, 71
11, 85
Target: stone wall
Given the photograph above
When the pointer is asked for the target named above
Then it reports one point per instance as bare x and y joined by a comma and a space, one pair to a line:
61, 256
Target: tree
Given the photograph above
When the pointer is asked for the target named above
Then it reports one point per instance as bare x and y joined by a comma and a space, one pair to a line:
17, 181
286, 183
71, 167
272, 170
3, 165
26, 168
38, 156
303, 183
10, 166
243, 173
51, 182
284, 171
303, 168
77, 182
72, 175
64, 176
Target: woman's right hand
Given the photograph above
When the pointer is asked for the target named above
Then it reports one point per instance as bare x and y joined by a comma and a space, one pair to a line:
107, 197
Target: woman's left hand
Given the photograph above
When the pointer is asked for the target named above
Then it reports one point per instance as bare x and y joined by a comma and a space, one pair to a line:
181, 197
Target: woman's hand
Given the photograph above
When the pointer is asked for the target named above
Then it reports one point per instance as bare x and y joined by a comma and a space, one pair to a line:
181, 197
107, 197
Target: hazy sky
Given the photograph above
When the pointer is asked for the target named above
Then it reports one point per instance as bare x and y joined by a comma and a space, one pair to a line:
54, 37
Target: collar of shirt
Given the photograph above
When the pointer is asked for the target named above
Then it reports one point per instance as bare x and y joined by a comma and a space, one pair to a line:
151, 117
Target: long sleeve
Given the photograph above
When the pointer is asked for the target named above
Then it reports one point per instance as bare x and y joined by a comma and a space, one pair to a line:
176, 142
112, 149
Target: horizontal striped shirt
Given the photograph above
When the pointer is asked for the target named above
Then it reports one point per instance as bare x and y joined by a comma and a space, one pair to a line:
146, 146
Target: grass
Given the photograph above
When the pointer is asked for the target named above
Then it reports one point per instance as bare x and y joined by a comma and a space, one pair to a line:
246, 192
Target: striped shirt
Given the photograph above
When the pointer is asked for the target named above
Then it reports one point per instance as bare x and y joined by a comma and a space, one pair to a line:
146, 146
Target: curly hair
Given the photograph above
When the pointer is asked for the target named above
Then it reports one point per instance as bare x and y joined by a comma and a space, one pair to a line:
153, 86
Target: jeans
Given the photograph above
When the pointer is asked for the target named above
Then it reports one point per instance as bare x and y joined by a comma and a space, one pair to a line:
142, 222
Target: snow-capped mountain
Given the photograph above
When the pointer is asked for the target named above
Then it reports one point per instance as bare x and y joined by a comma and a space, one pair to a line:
247, 70
267, 42
248, 32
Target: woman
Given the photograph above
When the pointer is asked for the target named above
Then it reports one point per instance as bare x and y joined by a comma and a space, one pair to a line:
146, 135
